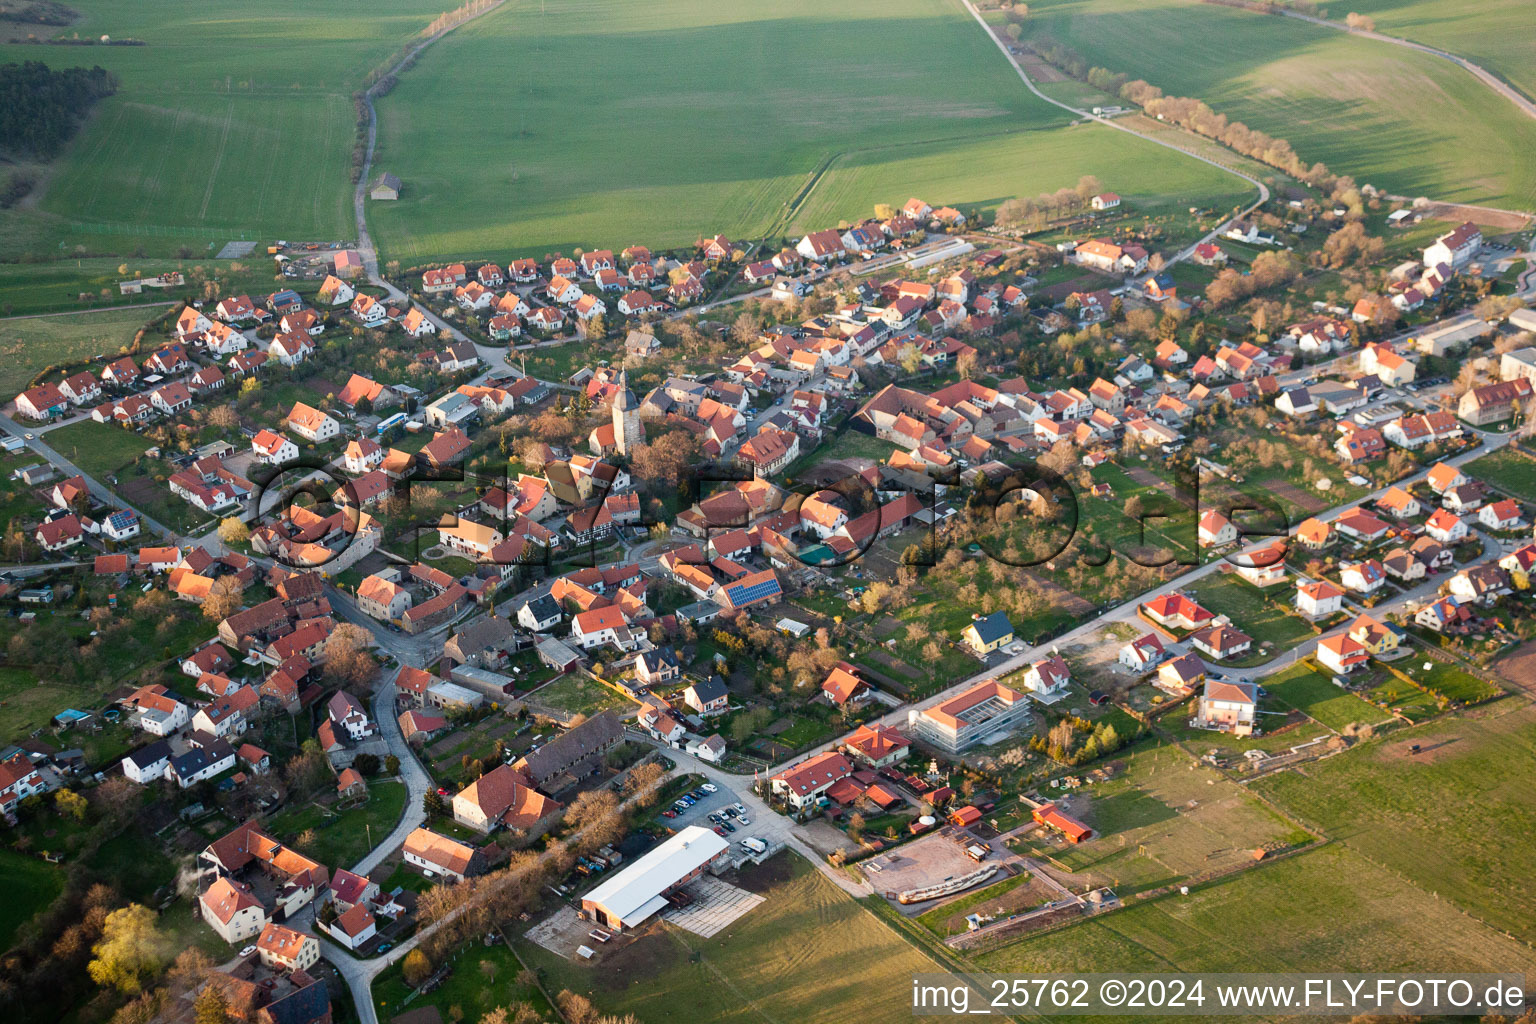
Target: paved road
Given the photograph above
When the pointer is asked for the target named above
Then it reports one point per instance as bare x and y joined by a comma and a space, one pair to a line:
493, 357
1482, 74
417, 782
97, 488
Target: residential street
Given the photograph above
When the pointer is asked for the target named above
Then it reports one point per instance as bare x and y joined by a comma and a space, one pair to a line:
1127, 611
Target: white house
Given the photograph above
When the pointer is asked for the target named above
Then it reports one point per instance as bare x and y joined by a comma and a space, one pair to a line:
312, 424
272, 448
1319, 599
1143, 653
232, 911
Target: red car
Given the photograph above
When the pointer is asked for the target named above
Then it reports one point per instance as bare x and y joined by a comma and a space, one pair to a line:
669, 814
720, 831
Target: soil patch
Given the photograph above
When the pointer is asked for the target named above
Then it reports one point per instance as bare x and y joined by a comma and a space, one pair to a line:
1519, 667
1429, 751
1455, 213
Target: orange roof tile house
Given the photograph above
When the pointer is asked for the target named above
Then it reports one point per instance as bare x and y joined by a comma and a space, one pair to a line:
967, 719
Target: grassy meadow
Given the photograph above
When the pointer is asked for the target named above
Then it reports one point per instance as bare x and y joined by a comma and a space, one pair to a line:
1327, 909
230, 119
546, 127
1454, 818
1404, 121
808, 954
1499, 37
27, 346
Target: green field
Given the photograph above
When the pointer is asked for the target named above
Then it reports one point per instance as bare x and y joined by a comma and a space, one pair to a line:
230, 120
27, 346
1404, 121
341, 838
1454, 818
1262, 613
808, 954
1508, 470
34, 884
1499, 37
1326, 909
1163, 820
577, 694
542, 128
1314, 693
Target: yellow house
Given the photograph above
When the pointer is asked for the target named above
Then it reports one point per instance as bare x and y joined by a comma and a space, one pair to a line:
987, 633
1374, 635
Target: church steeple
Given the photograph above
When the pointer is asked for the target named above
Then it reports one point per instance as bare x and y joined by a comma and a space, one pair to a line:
628, 431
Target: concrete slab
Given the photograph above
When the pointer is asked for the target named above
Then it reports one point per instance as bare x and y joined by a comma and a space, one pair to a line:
716, 905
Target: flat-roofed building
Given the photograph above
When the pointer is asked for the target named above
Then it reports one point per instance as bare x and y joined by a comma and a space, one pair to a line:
965, 720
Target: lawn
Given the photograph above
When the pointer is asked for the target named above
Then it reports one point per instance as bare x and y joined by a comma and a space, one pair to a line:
34, 884
761, 967
1262, 613
483, 979
577, 694
774, 119
1406, 122
1507, 469
1313, 692
342, 837
1163, 819
1328, 909
27, 346
1455, 818
104, 450
208, 137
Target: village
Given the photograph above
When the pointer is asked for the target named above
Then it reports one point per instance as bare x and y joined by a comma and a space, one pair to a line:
605, 586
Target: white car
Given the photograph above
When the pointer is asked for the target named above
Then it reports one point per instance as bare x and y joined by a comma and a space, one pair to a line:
743, 820
247, 951
739, 809
710, 787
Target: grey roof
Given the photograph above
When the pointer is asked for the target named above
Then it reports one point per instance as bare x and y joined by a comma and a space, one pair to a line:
709, 689
590, 737
542, 606
483, 635
990, 628
146, 756
387, 180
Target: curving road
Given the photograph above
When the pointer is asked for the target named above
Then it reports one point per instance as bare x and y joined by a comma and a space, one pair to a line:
1262, 188
1482, 74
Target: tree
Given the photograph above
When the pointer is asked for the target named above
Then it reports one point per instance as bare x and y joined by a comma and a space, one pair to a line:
70, 804
392, 765
347, 658
131, 949
224, 599
211, 1006
856, 824
643, 781
416, 968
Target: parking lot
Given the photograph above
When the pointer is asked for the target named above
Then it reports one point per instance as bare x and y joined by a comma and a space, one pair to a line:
716, 803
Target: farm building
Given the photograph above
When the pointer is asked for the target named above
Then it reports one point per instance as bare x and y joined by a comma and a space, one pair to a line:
385, 186
633, 895
1074, 830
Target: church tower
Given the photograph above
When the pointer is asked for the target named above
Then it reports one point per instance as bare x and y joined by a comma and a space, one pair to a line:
628, 431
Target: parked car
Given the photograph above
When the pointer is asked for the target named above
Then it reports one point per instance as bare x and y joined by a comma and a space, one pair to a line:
669, 814
710, 787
